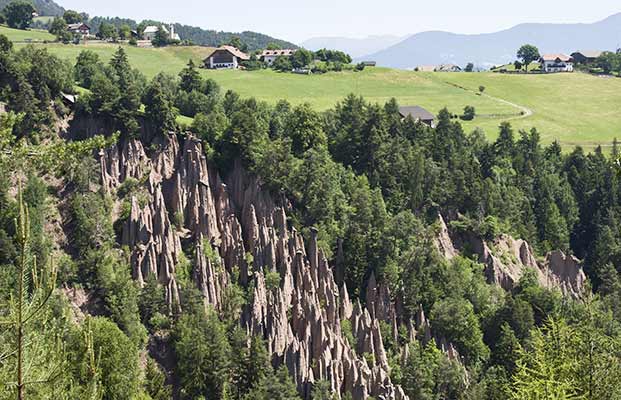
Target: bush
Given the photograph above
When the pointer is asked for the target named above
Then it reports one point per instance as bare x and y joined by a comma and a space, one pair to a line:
272, 280
469, 113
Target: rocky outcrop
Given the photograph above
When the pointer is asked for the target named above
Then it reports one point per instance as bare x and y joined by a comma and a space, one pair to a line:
506, 259
297, 306
443, 241
565, 272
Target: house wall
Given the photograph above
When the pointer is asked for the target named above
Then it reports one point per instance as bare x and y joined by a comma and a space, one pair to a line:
551, 66
269, 59
222, 59
149, 36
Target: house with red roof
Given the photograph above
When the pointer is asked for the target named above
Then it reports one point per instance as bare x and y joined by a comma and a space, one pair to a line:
556, 63
226, 57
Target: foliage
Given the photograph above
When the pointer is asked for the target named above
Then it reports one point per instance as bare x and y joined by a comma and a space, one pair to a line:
116, 354
155, 382
18, 14
161, 38
469, 113
24, 312
58, 27
528, 53
73, 17
203, 356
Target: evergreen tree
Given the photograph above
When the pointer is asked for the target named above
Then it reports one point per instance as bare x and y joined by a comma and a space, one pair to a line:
190, 78
203, 356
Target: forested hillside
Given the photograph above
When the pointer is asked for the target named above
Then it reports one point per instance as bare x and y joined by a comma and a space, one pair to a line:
277, 252
43, 7
200, 36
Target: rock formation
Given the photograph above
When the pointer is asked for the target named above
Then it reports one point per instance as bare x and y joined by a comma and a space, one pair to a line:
236, 226
506, 259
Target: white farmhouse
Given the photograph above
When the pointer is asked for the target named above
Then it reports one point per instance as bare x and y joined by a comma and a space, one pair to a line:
556, 63
226, 57
151, 30
269, 56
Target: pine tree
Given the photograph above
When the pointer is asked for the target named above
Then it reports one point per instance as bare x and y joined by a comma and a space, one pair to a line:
190, 78
35, 286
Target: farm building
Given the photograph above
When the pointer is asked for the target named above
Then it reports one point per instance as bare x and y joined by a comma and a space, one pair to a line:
556, 63
225, 57
448, 68
79, 29
586, 56
269, 56
369, 63
151, 30
425, 68
419, 114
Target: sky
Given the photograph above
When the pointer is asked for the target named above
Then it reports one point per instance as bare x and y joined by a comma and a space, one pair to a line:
297, 21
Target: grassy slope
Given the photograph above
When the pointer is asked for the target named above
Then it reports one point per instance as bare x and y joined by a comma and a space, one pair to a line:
572, 108
149, 61
33, 35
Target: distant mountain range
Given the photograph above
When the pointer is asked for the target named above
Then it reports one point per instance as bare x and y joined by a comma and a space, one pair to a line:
43, 7
485, 50
353, 47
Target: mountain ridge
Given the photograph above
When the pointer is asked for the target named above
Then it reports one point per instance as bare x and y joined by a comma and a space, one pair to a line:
355, 47
486, 49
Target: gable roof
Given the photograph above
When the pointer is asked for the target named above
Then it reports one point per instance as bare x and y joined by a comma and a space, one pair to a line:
75, 27
416, 112
554, 57
233, 50
154, 28
426, 68
447, 67
589, 53
281, 52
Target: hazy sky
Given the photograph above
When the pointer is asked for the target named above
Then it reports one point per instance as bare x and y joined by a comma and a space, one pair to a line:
300, 20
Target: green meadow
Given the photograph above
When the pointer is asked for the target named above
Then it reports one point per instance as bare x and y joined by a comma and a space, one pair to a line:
32, 35
575, 109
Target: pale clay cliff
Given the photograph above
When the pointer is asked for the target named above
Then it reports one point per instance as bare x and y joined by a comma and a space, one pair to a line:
505, 260
301, 319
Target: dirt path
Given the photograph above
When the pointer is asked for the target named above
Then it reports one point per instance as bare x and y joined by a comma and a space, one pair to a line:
526, 112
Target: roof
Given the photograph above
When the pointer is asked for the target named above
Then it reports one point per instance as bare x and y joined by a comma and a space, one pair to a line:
69, 97
553, 57
233, 50
426, 68
589, 53
77, 26
416, 112
283, 52
448, 67
154, 29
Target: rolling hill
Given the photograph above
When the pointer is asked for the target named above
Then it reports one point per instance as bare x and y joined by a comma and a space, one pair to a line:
489, 49
548, 102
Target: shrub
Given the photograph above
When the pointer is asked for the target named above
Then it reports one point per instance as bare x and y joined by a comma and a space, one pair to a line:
469, 113
272, 280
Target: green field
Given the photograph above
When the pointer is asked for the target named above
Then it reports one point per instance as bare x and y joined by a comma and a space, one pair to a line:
573, 108
32, 35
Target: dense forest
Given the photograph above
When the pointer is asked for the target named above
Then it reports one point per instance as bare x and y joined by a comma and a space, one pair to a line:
277, 252
43, 7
